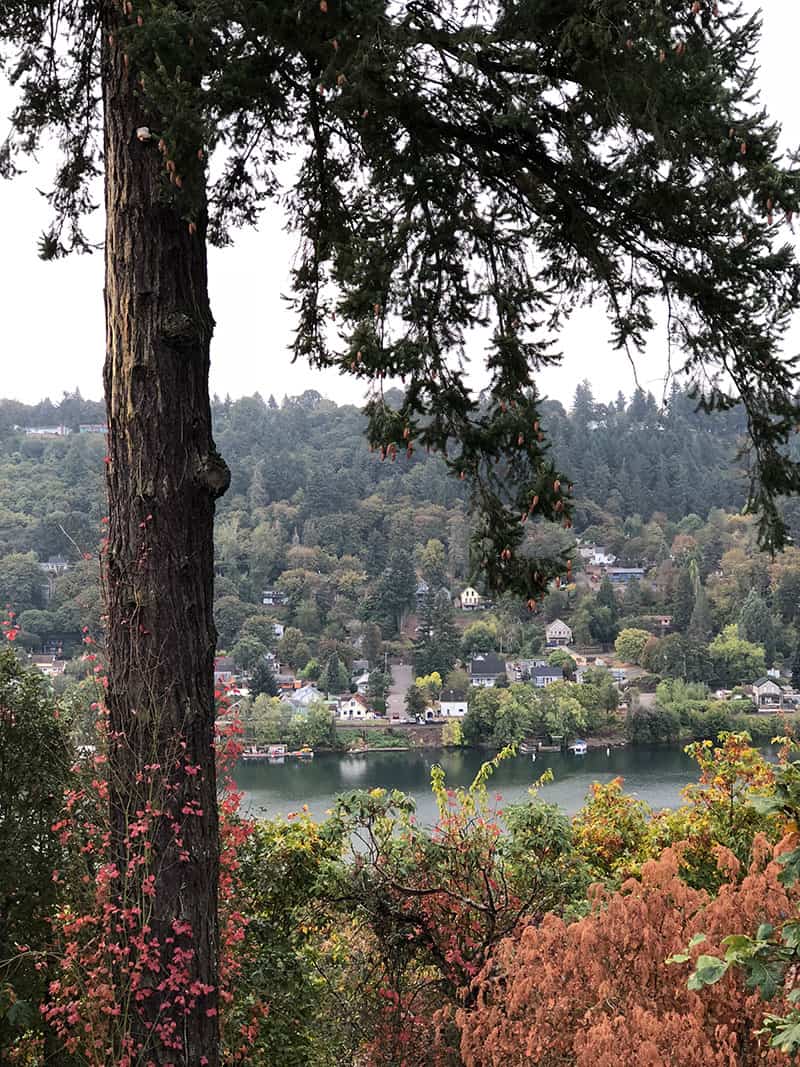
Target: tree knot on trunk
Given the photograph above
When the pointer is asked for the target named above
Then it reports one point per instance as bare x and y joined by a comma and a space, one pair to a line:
214, 474
180, 330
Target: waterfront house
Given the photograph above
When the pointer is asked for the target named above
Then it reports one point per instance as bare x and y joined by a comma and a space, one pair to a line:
354, 706
485, 670
766, 693
452, 704
558, 634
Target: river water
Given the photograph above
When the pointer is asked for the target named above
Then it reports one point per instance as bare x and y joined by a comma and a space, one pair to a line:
656, 775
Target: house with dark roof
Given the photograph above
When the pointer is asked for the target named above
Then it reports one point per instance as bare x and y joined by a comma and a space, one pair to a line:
224, 670
486, 669
541, 677
452, 704
623, 575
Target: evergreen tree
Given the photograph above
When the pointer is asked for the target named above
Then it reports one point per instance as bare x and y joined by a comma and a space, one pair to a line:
602, 624
423, 642
263, 680
379, 684
756, 625
372, 644
437, 646
257, 496
632, 598
334, 678
376, 556
796, 666
683, 600
701, 626
606, 598
395, 589
787, 595
432, 565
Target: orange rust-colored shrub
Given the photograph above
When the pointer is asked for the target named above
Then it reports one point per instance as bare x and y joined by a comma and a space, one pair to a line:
600, 992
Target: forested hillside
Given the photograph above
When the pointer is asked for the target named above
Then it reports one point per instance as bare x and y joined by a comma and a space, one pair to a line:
625, 458
341, 535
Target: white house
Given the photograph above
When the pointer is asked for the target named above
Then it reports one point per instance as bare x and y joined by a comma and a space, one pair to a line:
766, 693
601, 557
362, 683
558, 634
354, 706
45, 431
49, 665
596, 555
485, 670
271, 597
470, 599
55, 565
452, 705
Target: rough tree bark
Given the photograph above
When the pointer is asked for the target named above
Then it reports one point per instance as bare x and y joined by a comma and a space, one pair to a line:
164, 476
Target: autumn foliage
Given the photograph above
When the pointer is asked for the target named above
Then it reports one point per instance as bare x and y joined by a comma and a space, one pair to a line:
600, 991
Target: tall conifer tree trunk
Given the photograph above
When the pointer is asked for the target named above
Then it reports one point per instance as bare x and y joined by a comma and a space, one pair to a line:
163, 478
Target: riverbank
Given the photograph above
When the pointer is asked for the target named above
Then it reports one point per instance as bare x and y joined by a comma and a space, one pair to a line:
379, 735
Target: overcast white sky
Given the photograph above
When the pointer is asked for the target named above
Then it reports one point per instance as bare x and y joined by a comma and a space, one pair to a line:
52, 313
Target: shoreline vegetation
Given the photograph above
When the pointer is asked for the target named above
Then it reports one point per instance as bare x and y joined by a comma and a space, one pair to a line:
379, 738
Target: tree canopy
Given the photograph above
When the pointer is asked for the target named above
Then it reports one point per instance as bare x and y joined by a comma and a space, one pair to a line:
489, 167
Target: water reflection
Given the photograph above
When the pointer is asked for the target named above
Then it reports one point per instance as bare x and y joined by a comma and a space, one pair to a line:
655, 774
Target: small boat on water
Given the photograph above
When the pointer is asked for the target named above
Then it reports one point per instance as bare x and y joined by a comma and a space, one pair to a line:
273, 753
578, 747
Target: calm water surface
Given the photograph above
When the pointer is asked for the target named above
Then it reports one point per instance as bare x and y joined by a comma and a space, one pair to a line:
657, 775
